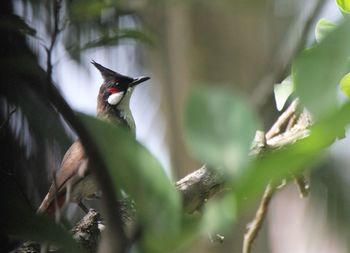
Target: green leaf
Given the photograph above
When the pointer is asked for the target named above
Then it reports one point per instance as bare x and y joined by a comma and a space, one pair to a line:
117, 35
86, 10
219, 128
110, 37
344, 6
219, 215
345, 85
141, 176
20, 221
318, 70
295, 158
323, 28
17, 24
282, 92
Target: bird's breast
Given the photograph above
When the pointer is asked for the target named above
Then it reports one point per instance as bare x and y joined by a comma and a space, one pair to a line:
85, 188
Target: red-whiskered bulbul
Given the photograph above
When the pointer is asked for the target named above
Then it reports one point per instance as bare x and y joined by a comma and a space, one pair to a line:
74, 181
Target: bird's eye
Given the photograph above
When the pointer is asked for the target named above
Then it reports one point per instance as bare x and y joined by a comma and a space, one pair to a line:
113, 90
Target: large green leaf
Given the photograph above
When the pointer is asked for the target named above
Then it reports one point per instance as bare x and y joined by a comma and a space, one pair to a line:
318, 70
219, 128
141, 176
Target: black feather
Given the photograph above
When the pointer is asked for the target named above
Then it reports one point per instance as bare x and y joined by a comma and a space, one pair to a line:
110, 75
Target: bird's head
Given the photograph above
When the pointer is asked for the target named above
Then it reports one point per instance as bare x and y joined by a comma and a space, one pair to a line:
115, 85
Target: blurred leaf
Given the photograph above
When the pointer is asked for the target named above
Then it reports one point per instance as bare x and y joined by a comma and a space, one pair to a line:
323, 28
219, 215
84, 10
219, 128
111, 39
318, 70
344, 6
20, 221
282, 92
295, 158
345, 85
120, 34
17, 24
141, 176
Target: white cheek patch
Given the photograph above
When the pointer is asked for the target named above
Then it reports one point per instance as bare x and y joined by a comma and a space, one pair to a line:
115, 98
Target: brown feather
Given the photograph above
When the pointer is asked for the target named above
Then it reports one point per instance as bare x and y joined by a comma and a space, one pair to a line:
72, 169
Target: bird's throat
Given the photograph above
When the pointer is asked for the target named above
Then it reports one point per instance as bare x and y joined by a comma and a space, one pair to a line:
119, 114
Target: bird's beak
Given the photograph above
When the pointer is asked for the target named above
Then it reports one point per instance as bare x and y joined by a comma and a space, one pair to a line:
138, 80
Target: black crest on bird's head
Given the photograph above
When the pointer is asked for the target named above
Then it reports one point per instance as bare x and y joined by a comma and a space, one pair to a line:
113, 92
110, 75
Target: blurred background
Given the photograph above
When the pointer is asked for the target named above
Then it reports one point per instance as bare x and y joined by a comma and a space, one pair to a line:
182, 45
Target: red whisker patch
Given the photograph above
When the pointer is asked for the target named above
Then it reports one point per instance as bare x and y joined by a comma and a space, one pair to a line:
113, 90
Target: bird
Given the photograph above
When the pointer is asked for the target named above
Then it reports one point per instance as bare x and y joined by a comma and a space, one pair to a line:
74, 180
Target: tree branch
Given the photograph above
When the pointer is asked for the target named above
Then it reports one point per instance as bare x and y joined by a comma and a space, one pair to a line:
86, 232
283, 120
198, 186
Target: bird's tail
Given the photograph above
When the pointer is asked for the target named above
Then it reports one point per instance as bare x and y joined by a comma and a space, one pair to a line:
49, 205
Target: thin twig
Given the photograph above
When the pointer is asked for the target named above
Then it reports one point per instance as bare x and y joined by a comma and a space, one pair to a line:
291, 122
56, 8
302, 185
255, 225
283, 120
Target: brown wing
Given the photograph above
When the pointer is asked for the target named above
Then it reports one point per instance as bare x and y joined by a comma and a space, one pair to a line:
73, 168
